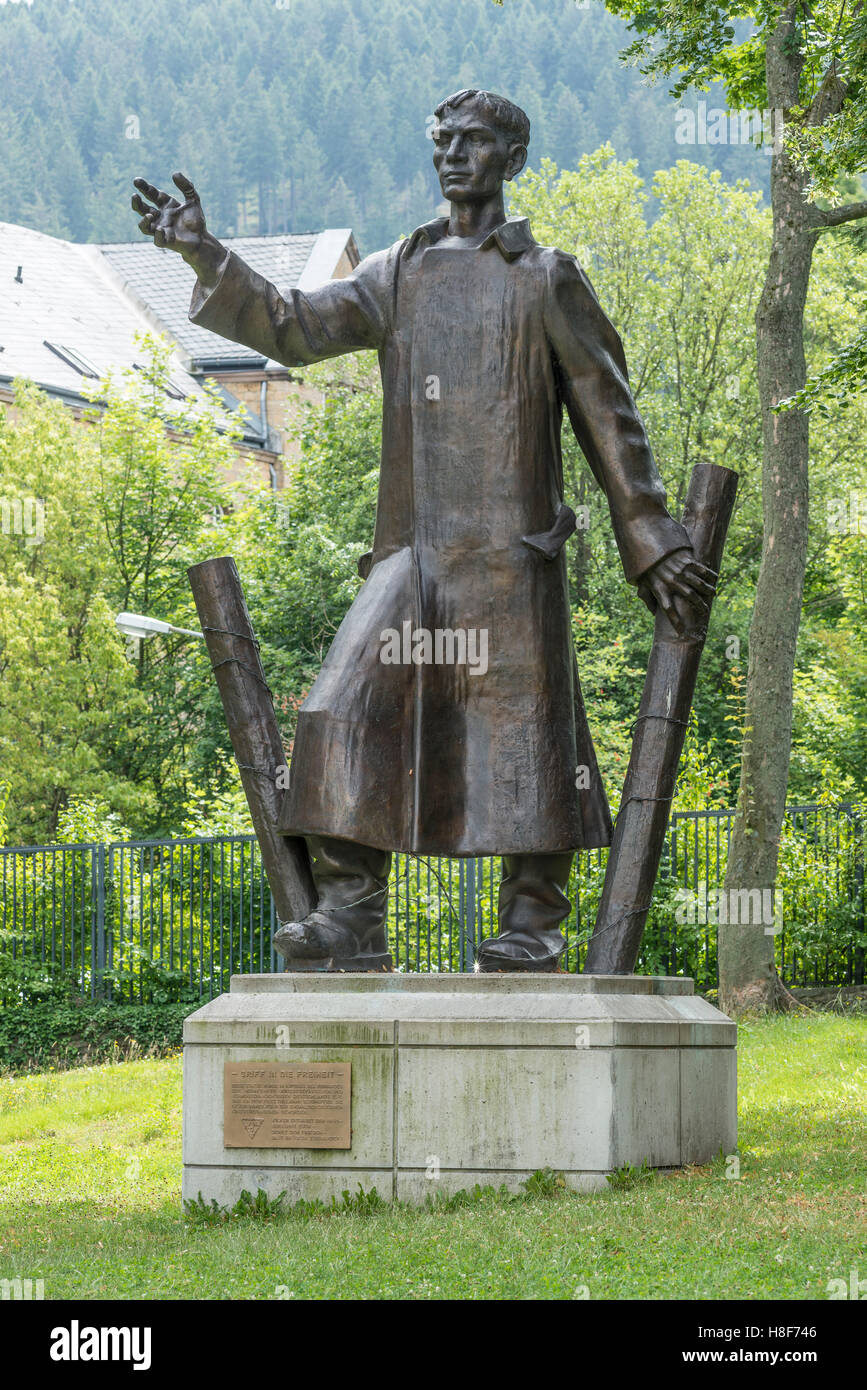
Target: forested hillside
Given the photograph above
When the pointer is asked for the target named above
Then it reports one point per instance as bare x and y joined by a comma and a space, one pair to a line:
296, 114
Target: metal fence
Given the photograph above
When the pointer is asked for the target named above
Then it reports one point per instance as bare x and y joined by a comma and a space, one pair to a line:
156, 920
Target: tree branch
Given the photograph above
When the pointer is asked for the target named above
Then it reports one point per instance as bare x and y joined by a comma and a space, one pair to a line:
829, 99
835, 217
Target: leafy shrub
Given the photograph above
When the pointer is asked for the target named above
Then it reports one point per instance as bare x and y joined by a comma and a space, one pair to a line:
63, 1032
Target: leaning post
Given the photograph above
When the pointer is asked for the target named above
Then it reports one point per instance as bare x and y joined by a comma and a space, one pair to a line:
660, 730
252, 724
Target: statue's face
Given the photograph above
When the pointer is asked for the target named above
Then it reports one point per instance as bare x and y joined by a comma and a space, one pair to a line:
471, 156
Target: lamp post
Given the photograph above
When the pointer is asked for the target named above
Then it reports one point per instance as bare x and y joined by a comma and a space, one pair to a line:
137, 625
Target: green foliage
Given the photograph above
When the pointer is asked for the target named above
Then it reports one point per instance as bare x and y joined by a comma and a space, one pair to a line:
611, 684
27, 979
87, 820
64, 680
201, 1213
151, 979
832, 388
164, 474
629, 1176
837, 341
219, 807
265, 1209
825, 133
545, 1182
61, 1030
479, 1195
127, 505
820, 881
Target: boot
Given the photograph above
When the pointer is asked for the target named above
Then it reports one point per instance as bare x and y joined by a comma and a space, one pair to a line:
346, 930
532, 903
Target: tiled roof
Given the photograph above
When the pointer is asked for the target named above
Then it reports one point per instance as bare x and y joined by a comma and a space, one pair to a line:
90, 301
65, 295
162, 282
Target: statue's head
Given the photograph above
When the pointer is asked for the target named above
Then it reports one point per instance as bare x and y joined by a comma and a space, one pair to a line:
480, 141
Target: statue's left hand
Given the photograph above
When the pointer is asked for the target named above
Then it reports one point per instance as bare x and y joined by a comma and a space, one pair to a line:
681, 586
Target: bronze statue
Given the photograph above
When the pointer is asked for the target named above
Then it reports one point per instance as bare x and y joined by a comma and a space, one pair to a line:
447, 718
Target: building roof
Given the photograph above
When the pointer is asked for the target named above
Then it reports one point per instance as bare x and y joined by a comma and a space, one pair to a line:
70, 313
161, 283
54, 292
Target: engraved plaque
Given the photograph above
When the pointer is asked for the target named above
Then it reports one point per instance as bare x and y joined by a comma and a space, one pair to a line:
294, 1105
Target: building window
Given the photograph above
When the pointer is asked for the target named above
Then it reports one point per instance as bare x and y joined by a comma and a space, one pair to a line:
75, 360
173, 389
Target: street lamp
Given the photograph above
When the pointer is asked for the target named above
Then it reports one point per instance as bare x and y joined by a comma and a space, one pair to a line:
136, 625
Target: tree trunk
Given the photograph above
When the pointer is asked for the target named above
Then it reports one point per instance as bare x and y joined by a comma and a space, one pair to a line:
748, 978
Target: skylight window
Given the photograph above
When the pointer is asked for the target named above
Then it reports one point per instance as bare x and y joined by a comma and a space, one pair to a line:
173, 388
75, 360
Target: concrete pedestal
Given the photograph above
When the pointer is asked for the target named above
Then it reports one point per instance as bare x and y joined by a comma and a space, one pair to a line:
458, 1079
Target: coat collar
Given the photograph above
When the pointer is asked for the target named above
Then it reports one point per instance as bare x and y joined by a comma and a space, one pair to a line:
511, 238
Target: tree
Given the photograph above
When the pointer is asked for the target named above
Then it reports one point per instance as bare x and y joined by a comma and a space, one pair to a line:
65, 684
203, 79
97, 518
163, 469
804, 61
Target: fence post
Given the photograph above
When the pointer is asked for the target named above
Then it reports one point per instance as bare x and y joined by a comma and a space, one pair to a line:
858, 954
98, 955
470, 912
107, 938
467, 914
462, 913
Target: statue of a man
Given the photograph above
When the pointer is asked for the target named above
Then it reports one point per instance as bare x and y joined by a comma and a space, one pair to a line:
447, 718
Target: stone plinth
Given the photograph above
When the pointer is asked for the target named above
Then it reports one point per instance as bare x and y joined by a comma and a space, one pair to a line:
458, 1079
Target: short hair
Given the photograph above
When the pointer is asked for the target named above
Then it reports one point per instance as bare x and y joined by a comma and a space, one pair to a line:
511, 120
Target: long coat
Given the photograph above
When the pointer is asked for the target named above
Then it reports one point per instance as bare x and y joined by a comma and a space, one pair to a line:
480, 349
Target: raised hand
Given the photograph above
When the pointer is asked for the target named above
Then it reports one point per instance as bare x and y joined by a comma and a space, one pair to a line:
682, 587
179, 226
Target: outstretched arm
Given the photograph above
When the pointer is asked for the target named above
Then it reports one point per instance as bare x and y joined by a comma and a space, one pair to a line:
594, 382
296, 328
233, 300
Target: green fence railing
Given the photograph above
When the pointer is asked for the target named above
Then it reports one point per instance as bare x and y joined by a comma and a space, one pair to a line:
141, 920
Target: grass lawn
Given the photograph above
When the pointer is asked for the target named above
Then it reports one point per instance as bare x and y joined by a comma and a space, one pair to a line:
90, 1166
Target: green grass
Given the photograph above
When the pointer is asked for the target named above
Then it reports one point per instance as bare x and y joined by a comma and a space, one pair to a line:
90, 1202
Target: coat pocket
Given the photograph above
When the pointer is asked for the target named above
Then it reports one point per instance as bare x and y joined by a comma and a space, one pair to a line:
550, 543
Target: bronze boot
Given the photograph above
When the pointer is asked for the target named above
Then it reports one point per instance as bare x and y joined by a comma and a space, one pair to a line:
347, 928
532, 903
